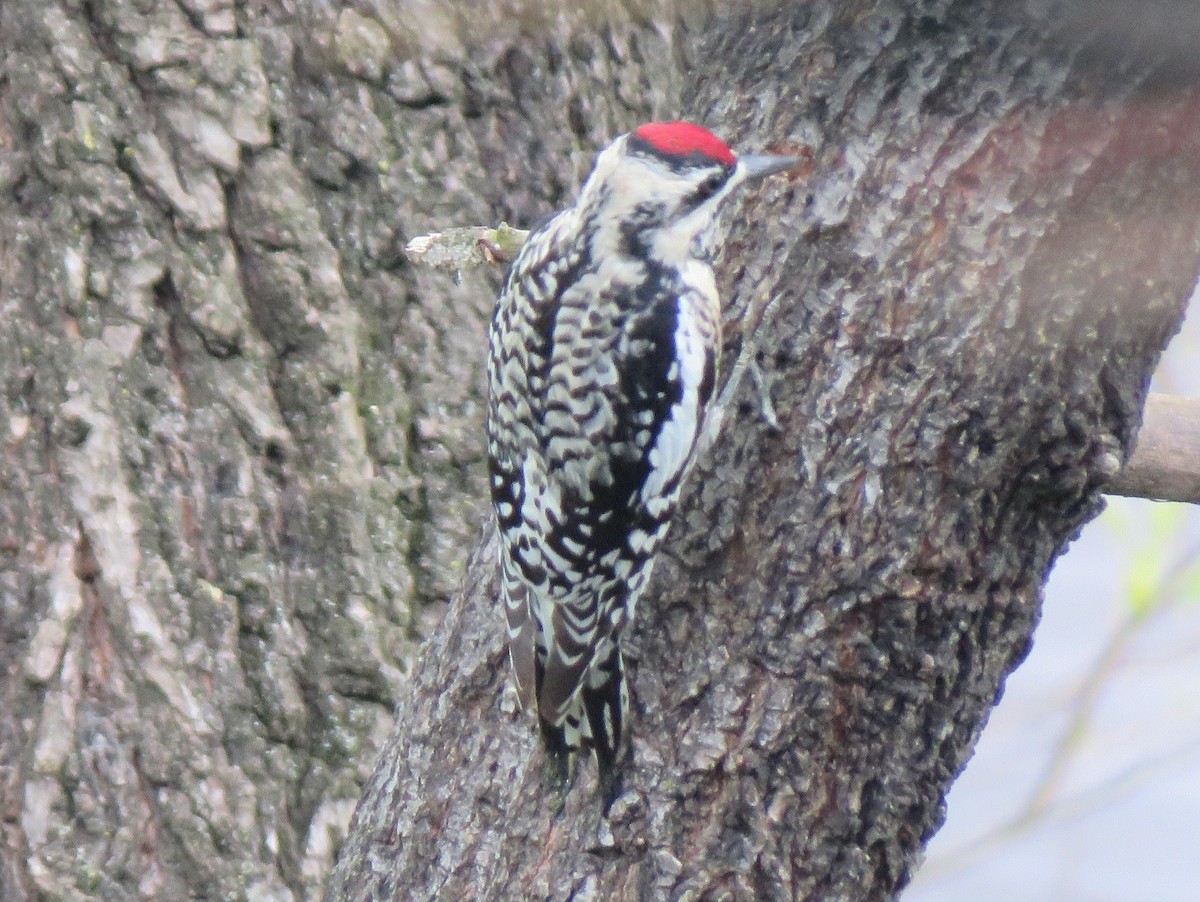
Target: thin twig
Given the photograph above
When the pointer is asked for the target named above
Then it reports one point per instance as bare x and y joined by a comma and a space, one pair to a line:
466, 248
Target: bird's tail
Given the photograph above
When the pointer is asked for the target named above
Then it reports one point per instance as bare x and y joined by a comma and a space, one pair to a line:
596, 715
522, 630
605, 702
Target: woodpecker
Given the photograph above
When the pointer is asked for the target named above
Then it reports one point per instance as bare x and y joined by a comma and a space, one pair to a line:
603, 353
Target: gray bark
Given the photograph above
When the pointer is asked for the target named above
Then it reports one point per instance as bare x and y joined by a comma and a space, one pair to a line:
240, 437
240, 456
948, 332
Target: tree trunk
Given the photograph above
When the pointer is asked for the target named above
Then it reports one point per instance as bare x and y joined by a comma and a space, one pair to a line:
947, 332
240, 439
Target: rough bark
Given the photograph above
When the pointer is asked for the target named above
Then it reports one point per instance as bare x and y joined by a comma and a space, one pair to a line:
240, 448
240, 437
948, 332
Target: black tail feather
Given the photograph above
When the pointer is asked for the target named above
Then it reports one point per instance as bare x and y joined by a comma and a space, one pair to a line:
558, 756
603, 697
595, 720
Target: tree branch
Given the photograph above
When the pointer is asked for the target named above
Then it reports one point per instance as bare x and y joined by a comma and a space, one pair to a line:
1165, 464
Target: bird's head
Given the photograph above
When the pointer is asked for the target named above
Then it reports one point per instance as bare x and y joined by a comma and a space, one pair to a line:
663, 184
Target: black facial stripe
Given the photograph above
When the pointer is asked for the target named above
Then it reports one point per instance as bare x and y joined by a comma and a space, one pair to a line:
707, 189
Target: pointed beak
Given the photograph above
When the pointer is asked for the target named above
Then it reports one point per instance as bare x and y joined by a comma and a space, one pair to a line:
756, 166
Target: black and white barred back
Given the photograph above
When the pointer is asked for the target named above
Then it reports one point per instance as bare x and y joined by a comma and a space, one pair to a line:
602, 360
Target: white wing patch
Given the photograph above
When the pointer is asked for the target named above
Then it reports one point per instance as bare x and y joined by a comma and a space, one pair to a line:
672, 448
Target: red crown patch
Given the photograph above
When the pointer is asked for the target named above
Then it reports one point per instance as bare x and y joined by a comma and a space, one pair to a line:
683, 139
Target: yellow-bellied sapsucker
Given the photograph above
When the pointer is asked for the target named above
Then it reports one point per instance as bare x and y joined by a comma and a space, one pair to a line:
602, 360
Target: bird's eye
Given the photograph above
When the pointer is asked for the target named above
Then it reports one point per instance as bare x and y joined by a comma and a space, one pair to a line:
709, 187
